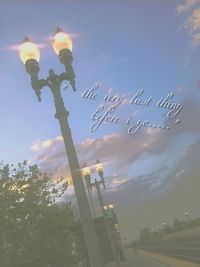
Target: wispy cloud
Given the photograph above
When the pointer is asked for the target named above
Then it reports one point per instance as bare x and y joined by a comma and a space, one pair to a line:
192, 24
192, 21
40, 145
186, 6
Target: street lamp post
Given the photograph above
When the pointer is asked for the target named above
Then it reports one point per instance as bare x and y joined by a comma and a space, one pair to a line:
187, 214
96, 184
29, 53
89, 194
163, 229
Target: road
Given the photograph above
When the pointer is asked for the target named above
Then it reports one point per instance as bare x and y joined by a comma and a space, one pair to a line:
138, 261
184, 248
142, 259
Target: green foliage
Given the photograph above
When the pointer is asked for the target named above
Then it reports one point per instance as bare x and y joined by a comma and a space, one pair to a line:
33, 228
144, 233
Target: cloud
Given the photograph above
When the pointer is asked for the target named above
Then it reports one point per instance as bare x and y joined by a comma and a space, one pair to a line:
192, 21
153, 180
39, 145
192, 24
121, 152
187, 5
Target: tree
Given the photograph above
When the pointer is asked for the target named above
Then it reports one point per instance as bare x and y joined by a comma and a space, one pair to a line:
145, 234
33, 228
167, 229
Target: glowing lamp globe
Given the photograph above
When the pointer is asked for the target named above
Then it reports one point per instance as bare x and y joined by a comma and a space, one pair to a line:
61, 40
99, 166
86, 171
29, 50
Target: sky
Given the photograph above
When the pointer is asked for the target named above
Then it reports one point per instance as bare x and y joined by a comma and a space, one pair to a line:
124, 47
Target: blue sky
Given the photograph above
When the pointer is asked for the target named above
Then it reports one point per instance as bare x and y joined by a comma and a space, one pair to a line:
123, 45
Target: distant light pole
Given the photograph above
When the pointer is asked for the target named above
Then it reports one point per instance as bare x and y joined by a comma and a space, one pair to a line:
163, 229
187, 214
87, 174
29, 54
85, 171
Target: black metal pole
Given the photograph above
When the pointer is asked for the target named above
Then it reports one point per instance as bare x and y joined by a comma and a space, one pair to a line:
83, 204
54, 83
108, 226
